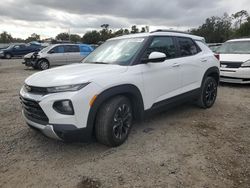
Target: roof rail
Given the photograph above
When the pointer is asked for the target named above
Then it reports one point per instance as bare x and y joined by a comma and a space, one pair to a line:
169, 30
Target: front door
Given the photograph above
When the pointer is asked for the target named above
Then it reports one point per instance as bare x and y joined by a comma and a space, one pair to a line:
162, 80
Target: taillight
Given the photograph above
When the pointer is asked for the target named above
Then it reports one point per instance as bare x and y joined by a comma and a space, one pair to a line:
217, 56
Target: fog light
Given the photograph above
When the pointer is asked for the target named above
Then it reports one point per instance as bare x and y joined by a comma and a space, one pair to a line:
64, 107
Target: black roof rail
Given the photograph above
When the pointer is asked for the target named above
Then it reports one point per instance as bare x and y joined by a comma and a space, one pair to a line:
169, 30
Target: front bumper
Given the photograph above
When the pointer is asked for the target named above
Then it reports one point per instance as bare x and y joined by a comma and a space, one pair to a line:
59, 126
235, 75
68, 133
30, 62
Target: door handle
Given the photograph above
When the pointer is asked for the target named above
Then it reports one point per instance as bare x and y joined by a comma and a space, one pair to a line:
176, 65
204, 60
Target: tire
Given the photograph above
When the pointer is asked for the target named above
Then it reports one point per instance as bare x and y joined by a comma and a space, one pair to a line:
208, 93
114, 121
7, 56
43, 64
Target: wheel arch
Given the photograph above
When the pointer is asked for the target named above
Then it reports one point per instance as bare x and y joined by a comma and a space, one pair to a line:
42, 59
213, 72
129, 90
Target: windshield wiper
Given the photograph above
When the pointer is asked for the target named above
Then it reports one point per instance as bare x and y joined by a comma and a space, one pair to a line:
99, 62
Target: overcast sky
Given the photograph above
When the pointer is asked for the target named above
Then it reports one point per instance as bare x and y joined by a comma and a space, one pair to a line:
21, 18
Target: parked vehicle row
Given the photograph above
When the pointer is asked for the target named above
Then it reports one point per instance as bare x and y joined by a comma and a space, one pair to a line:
122, 80
58, 54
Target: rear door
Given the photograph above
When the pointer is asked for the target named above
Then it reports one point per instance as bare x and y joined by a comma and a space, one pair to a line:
190, 59
73, 54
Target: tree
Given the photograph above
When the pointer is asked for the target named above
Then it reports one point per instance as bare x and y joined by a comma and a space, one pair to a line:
143, 30
215, 29
91, 37
75, 38
33, 37
240, 17
244, 30
62, 37
105, 33
5, 37
134, 29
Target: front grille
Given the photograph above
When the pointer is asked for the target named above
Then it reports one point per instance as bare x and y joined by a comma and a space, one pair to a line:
33, 111
228, 64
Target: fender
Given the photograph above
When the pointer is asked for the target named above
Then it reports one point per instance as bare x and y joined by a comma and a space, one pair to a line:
128, 90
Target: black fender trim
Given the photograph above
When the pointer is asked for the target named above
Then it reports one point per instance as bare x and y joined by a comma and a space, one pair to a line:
212, 71
128, 90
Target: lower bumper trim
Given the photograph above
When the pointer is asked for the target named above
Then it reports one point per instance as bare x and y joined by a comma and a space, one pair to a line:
47, 130
235, 80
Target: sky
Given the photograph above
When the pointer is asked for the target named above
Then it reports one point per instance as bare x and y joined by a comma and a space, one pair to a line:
47, 18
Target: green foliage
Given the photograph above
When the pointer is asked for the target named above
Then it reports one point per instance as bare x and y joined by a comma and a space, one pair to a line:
63, 37
75, 38
5, 37
244, 30
219, 29
33, 37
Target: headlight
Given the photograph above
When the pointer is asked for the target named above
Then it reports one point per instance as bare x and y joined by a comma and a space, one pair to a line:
1, 52
246, 64
65, 88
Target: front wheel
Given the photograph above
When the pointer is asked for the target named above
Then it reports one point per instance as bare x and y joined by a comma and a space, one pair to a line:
43, 64
208, 93
114, 121
7, 56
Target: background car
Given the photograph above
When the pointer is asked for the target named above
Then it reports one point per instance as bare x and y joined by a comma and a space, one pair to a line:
235, 61
19, 50
214, 46
58, 54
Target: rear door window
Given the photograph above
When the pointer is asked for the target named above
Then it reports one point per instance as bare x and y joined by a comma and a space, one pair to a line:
72, 49
187, 46
85, 49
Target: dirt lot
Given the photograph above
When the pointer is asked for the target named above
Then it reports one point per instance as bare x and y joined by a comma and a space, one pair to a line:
183, 147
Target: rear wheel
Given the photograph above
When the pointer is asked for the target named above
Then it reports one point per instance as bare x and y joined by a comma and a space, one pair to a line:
43, 64
208, 93
114, 121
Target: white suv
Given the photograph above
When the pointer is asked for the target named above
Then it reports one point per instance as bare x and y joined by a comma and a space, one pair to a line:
235, 61
122, 80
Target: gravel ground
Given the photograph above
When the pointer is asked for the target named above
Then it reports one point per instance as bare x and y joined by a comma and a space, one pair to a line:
182, 147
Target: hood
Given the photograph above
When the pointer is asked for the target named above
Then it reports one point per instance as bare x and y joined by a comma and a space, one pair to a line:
73, 74
29, 55
234, 57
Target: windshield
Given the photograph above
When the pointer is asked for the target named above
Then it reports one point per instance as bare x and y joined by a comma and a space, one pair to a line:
45, 49
120, 51
240, 47
10, 46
